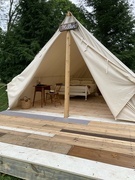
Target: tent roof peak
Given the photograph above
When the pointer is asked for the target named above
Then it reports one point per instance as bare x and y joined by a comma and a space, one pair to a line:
69, 13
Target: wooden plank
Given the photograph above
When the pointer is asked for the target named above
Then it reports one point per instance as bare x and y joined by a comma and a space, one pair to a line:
103, 156
120, 125
106, 134
98, 143
26, 170
34, 141
28, 131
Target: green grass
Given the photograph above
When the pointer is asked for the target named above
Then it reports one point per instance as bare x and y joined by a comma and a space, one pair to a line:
3, 97
7, 177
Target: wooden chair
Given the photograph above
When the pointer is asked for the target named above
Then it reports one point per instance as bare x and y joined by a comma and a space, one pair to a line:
53, 95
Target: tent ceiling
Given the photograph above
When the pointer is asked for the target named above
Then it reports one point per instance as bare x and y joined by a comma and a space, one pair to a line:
53, 63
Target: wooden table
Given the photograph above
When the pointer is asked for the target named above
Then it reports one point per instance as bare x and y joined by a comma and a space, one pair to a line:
41, 88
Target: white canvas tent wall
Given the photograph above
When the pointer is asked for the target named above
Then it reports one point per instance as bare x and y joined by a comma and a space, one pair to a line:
114, 80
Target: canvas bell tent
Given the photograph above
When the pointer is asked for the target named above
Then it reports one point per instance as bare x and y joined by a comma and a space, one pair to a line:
87, 58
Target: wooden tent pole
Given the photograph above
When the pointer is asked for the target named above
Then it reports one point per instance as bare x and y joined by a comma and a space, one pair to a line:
67, 76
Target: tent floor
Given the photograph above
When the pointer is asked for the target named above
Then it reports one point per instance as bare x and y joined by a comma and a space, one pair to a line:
94, 106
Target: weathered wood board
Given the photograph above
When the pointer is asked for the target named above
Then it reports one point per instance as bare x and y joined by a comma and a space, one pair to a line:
111, 143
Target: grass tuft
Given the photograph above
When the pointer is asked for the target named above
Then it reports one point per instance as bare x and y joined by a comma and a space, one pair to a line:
3, 97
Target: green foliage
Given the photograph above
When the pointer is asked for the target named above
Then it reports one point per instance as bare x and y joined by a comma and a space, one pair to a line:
114, 27
7, 177
3, 97
37, 23
64, 7
0, 35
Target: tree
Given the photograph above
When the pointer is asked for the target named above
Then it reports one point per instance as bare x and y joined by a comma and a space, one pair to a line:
1, 35
114, 27
1, 46
36, 23
12, 13
8, 13
20, 43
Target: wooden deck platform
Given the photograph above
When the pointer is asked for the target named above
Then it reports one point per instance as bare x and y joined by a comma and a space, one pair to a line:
103, 142
38, 143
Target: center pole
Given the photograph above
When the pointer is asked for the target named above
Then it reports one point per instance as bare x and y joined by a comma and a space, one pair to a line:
67, 76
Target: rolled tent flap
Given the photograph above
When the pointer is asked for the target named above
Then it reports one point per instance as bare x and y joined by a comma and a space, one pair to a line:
114, 83
19, 83
128, 112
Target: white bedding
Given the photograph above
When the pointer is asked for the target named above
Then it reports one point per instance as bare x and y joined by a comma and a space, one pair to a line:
80, 88
92, 87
